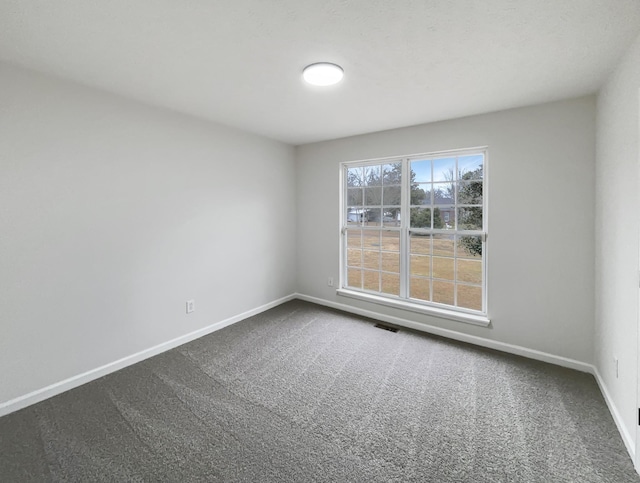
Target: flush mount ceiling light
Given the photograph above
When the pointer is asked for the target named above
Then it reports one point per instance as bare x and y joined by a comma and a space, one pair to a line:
322, 74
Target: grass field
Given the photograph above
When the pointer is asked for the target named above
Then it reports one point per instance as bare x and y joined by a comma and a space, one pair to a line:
439, 271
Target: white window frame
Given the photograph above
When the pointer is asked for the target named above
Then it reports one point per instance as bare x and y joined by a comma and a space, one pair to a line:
404, 301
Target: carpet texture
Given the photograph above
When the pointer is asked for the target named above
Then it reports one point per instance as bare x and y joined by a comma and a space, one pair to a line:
302, 393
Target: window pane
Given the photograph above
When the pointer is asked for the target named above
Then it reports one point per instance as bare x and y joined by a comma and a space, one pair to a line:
391, 195
420, 265
469, 297
420, 288
420, 243
373, 217
421, 217
355, 215
443, 193
448, 217
371, 238
391, 262
470, 218
390, 283
371, 259
390, 216
421, 171
355, 177
371, 280
420, 194
470, 246
443, 268
443, 292
354, 238
471, 167
391, 241
354, 278
443, 245
373, 196
392, 174
354, 257
372, 176
470, 193
443, 169
469, 271
438, 222
354, 197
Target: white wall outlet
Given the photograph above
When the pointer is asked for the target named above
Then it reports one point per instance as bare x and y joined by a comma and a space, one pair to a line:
616, 366
191, 306
330, 281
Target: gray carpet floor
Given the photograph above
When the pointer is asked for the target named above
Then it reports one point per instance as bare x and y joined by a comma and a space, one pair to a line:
302, 393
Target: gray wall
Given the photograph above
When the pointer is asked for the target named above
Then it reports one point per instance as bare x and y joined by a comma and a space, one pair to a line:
617, 244
541, 201
113, 214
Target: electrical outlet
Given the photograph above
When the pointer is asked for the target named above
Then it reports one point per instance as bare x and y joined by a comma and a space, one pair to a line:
330, 281
191, 306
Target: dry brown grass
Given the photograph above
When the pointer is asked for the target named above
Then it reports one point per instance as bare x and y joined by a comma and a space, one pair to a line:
433, 269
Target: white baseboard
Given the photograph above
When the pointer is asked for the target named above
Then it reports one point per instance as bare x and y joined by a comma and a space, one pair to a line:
626, 437
75, 381
460, 336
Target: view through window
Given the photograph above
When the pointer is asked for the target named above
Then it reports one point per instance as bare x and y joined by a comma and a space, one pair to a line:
414, 229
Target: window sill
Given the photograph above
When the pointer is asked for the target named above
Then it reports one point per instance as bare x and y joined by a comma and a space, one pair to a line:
480, 320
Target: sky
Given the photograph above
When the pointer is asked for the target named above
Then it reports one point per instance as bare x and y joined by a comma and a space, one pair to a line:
442, 166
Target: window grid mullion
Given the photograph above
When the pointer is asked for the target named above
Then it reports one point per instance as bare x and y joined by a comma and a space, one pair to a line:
404, 228
455, 238
344, 229
431, 267
380, 259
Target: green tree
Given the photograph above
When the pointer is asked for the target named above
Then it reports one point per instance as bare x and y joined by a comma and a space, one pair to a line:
381, 185
391, 192
469, 194
421, 218
437, 219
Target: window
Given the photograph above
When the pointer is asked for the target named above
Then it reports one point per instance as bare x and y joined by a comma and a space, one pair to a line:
414, 230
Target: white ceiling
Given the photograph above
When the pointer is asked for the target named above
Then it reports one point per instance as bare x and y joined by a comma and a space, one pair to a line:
239, 62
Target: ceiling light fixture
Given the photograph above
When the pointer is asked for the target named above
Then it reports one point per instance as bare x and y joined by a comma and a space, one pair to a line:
322, 74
